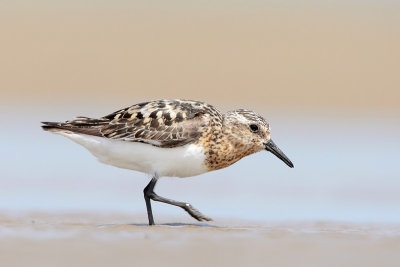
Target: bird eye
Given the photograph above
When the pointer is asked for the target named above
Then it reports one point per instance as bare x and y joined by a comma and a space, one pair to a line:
254, 128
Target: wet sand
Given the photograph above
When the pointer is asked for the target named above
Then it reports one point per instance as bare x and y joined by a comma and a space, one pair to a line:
113, 240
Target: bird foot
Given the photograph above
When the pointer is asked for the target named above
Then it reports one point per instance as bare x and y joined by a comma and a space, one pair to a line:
195, 213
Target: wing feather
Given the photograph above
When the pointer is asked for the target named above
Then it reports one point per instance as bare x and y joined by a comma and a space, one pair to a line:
163, 123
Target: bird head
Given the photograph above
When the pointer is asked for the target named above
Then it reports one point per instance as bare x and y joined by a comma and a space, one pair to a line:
254, 132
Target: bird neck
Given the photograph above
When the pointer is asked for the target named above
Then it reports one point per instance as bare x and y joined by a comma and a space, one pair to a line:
225, 145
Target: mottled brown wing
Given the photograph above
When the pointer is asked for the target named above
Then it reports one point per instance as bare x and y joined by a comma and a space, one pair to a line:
163, 123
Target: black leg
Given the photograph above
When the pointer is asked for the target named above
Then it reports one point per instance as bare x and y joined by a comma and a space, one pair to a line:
149, 194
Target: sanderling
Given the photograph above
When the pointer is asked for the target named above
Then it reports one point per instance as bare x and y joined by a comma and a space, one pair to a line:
178, 138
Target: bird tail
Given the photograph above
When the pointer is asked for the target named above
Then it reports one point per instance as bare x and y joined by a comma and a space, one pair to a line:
82, 125
53, 126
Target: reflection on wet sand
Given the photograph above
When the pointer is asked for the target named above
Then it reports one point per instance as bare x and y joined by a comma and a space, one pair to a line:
71, 239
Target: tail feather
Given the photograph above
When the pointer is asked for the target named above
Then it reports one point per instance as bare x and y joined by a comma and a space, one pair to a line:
48, 126
80, 125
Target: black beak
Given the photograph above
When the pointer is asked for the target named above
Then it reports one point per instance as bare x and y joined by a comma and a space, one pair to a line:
271, 147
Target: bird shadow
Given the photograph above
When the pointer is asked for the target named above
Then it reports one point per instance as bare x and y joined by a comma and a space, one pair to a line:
200, 225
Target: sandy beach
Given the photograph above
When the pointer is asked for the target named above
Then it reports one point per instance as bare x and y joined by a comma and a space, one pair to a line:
112, 240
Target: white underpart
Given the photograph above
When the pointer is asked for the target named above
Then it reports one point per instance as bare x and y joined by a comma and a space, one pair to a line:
184, 161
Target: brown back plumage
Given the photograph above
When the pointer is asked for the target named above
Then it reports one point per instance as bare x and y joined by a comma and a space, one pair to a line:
163, 123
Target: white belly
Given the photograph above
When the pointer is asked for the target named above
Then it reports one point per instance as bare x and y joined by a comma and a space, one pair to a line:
184, 161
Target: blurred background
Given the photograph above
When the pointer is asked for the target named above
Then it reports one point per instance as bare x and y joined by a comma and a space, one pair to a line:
326, 74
